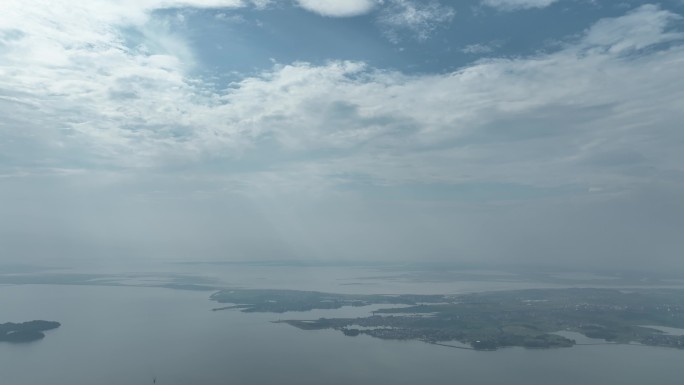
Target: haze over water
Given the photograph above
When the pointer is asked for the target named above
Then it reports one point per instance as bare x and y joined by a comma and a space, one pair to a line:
129, 335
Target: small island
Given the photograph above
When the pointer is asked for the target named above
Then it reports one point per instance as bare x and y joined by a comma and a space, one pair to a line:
25, 332
487, 321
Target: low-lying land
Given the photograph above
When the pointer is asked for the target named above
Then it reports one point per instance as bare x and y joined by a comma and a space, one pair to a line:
26, 331
487, 321
280, 301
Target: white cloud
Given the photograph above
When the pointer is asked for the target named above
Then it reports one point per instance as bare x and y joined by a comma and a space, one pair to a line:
70, 65
261, 4
420, 19
338, 8
81, 96
640, 28
511, 5
81, 106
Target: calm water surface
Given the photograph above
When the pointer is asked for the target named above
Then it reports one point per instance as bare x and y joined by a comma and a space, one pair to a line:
128, 335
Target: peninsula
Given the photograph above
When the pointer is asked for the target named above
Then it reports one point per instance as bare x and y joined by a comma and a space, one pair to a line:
488, 321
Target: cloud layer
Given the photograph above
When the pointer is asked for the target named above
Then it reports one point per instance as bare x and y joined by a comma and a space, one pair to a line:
137, 106
89, 105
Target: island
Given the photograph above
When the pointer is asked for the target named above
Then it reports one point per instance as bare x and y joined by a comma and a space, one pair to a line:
532, 318
26, 331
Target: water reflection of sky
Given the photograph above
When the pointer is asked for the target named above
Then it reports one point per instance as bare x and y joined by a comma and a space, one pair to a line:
336, 279
127, 335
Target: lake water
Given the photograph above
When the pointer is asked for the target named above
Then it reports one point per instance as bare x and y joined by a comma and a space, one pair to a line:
128, 335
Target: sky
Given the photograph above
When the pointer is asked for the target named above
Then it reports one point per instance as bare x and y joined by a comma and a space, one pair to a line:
530, 132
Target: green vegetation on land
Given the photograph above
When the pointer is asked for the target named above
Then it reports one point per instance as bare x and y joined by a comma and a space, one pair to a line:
280, 301
487, 321
26, 331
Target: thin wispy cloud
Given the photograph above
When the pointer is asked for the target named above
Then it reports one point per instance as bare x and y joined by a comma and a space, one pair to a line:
512, 5
481, 48
338, 8
413, 18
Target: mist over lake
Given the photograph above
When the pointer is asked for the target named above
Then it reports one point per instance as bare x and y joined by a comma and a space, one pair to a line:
129, 335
